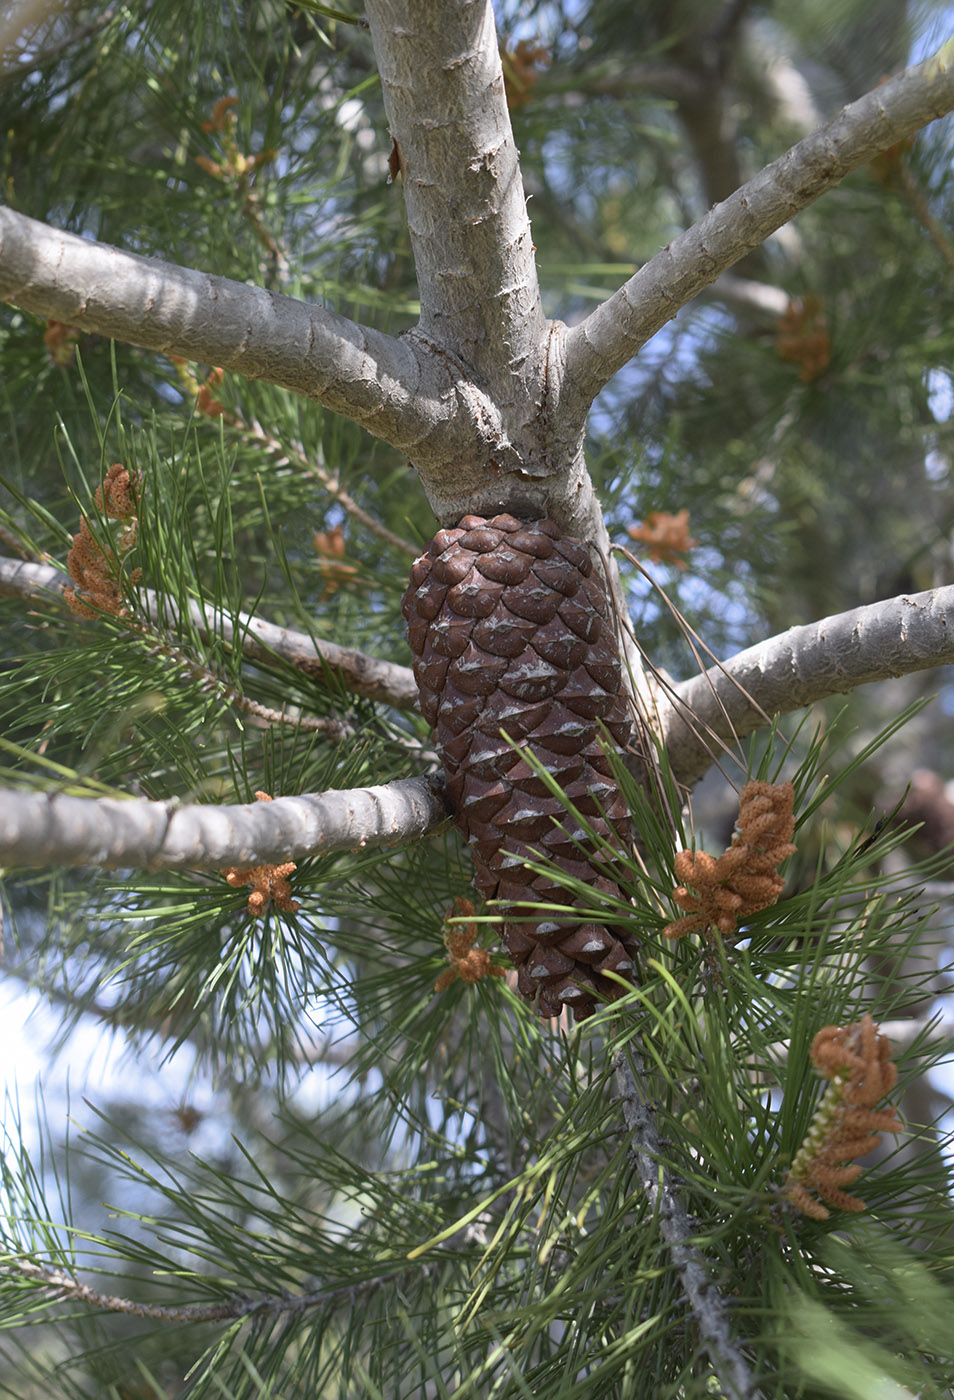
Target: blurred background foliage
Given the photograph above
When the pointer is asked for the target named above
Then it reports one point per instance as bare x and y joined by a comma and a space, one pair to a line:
295, 1103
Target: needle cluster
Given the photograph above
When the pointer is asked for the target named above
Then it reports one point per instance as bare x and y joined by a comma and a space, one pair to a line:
717, 891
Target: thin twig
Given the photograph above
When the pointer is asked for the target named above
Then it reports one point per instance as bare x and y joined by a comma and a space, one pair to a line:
618, 78
19, 547
917, 200
70, 41
158, 644
333, 728
294, 453
276, 1305
707, 1305
747, 297
277, 255
258, 640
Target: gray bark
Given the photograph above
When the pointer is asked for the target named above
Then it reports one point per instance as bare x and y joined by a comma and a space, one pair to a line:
801, 666
466, 211
473, 249
372, 378
50, 829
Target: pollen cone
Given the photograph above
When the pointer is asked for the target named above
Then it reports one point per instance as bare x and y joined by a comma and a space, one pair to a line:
512, 634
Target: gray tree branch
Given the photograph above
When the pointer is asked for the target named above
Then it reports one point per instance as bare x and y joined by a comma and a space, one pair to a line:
473, 250
51, 829
383, 383
723, 704
748, 298
364, 675
23, 53
801, 666
413, 392
599, 346
618, 77
466, 210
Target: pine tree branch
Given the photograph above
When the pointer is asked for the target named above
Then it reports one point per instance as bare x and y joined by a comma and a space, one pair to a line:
283, 1305
796, 668
599, 346
473, 250
382, 383
51, 829
384, 681
707, 1305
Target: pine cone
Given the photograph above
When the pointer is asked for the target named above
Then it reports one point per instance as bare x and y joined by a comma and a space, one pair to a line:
511, 630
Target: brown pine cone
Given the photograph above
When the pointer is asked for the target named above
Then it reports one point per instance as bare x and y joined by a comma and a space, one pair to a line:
511, 630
